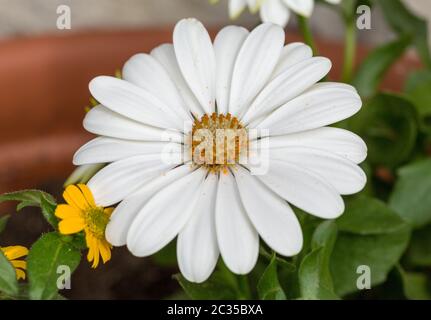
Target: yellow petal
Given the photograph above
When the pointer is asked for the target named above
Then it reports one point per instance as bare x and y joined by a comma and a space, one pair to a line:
87, 194
14, 252
20, 274
65, 211
93, 249
105, 251
96, 257
75, 198
90, 255
71, 225
19, 264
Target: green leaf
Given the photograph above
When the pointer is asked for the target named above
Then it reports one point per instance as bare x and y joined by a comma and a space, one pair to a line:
268, 286
311, 287
167, 257
416, 285
419, 252
403, 21
282, 263
388, 124
418, 91
8, 282
379, 252
324, 237
34, 198
411, 197
315, 279
3, 222
45, 256
48, 211
366, 215
374, 67
217, 287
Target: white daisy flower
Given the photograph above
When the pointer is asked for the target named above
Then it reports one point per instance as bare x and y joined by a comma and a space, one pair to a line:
245, 80
275, 11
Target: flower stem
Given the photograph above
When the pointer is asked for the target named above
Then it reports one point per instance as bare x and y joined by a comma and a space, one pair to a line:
305, 28
349, 51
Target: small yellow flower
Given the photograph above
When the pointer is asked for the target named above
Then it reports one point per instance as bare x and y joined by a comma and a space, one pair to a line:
81, 213
13, 253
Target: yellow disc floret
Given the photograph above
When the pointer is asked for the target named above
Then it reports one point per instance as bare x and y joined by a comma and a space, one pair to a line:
218, 141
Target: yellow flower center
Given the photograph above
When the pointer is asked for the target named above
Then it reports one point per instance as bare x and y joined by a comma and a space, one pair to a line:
96, 221
218, 141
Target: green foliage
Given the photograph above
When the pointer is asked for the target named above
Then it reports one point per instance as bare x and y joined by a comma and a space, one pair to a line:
379, 252
387, 227
222, 285
269, 287
404, 22
366, 216
411, 196
167, 256
34, 198
370, 242
418, 91
44, 258
375, 66
8, 282
315, 279
419, 253
416, 285
388, 125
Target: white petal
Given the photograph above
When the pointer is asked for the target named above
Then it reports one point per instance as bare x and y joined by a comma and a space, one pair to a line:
338, 141
333, 1
236, 7
292, 54
146, 72
120, 179
226, 47
302, 7
195, 56
303, 189
272, 217
165, 54
274, 11
322, 105
254, 65
126, 211
102, 121
346, 176
197, 249
104, 150
288, 85
133, 102
165, 215
237, 239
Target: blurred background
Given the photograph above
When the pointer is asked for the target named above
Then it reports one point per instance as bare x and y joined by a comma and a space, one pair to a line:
35, 17
44, 73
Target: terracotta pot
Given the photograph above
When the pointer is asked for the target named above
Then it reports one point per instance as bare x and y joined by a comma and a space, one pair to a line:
43, 92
